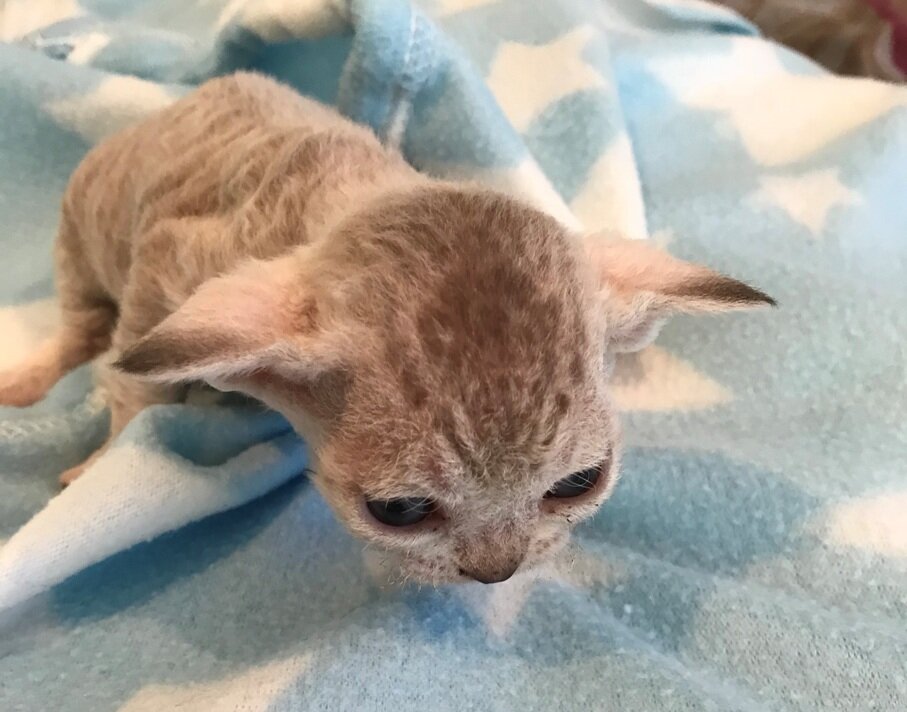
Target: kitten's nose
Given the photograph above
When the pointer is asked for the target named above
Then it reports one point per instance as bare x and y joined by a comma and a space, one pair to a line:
491, 576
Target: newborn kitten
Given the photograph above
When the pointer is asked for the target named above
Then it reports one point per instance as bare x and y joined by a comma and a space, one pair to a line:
443, 349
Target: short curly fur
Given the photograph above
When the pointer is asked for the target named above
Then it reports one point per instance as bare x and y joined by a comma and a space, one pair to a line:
427, 339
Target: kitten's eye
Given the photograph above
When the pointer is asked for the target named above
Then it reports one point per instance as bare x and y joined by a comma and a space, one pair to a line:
402, 512
576, 484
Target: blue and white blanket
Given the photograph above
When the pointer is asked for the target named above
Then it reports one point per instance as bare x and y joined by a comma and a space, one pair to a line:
754, 555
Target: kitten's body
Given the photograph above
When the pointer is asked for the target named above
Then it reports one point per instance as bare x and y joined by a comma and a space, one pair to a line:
241, 153
241, 168
433, 342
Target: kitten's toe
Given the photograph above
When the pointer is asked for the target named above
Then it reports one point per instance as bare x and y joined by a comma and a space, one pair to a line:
71, 475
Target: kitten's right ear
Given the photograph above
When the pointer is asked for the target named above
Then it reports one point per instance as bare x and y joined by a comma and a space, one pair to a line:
262, 317
643, 286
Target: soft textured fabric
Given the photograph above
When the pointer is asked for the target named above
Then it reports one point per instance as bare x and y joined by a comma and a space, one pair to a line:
754, 555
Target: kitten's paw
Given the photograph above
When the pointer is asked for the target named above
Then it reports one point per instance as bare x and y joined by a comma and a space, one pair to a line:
71, 475
20, 389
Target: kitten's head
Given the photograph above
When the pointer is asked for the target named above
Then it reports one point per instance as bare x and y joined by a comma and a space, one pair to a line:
446, 353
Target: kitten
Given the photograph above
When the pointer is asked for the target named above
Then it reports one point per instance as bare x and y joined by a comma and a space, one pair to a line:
443, 349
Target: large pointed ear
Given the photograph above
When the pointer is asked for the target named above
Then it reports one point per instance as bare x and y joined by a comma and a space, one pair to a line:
261, 317
642, 286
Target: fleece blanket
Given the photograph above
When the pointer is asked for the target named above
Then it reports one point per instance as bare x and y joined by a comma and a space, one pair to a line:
754, 555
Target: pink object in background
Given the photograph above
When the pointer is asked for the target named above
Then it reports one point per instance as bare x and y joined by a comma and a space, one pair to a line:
892, 49
864, 38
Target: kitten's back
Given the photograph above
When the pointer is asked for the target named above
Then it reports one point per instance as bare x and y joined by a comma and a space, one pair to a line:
242, 149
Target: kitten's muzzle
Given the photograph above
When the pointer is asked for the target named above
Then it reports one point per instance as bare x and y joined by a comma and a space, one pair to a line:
493, 553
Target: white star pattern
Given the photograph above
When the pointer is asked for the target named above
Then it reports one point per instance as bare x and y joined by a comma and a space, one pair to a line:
20, 17
655, 380
781, 117
116, 103
525, 79
876, 524
446, 8
253, 690
611, 199
86, 47
808, 198
526, 181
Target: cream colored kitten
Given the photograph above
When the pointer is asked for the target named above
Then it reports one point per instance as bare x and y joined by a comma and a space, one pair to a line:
443, 349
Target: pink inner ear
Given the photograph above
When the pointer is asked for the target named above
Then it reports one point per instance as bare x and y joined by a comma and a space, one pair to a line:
642, 286
252, 304
231, 324
632, 266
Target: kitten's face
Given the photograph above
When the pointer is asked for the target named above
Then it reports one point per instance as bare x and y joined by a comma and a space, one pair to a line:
476, 428
445, 354
458, 497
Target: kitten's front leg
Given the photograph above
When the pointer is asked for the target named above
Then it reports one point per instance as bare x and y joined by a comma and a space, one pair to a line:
127, 396
143, 307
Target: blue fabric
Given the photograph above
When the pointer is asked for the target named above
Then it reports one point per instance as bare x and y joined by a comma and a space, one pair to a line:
754, 554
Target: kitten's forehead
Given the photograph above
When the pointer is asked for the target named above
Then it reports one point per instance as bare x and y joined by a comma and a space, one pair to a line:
484, 325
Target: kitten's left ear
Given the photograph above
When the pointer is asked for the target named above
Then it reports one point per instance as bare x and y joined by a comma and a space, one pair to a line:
263, 318
642, 286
